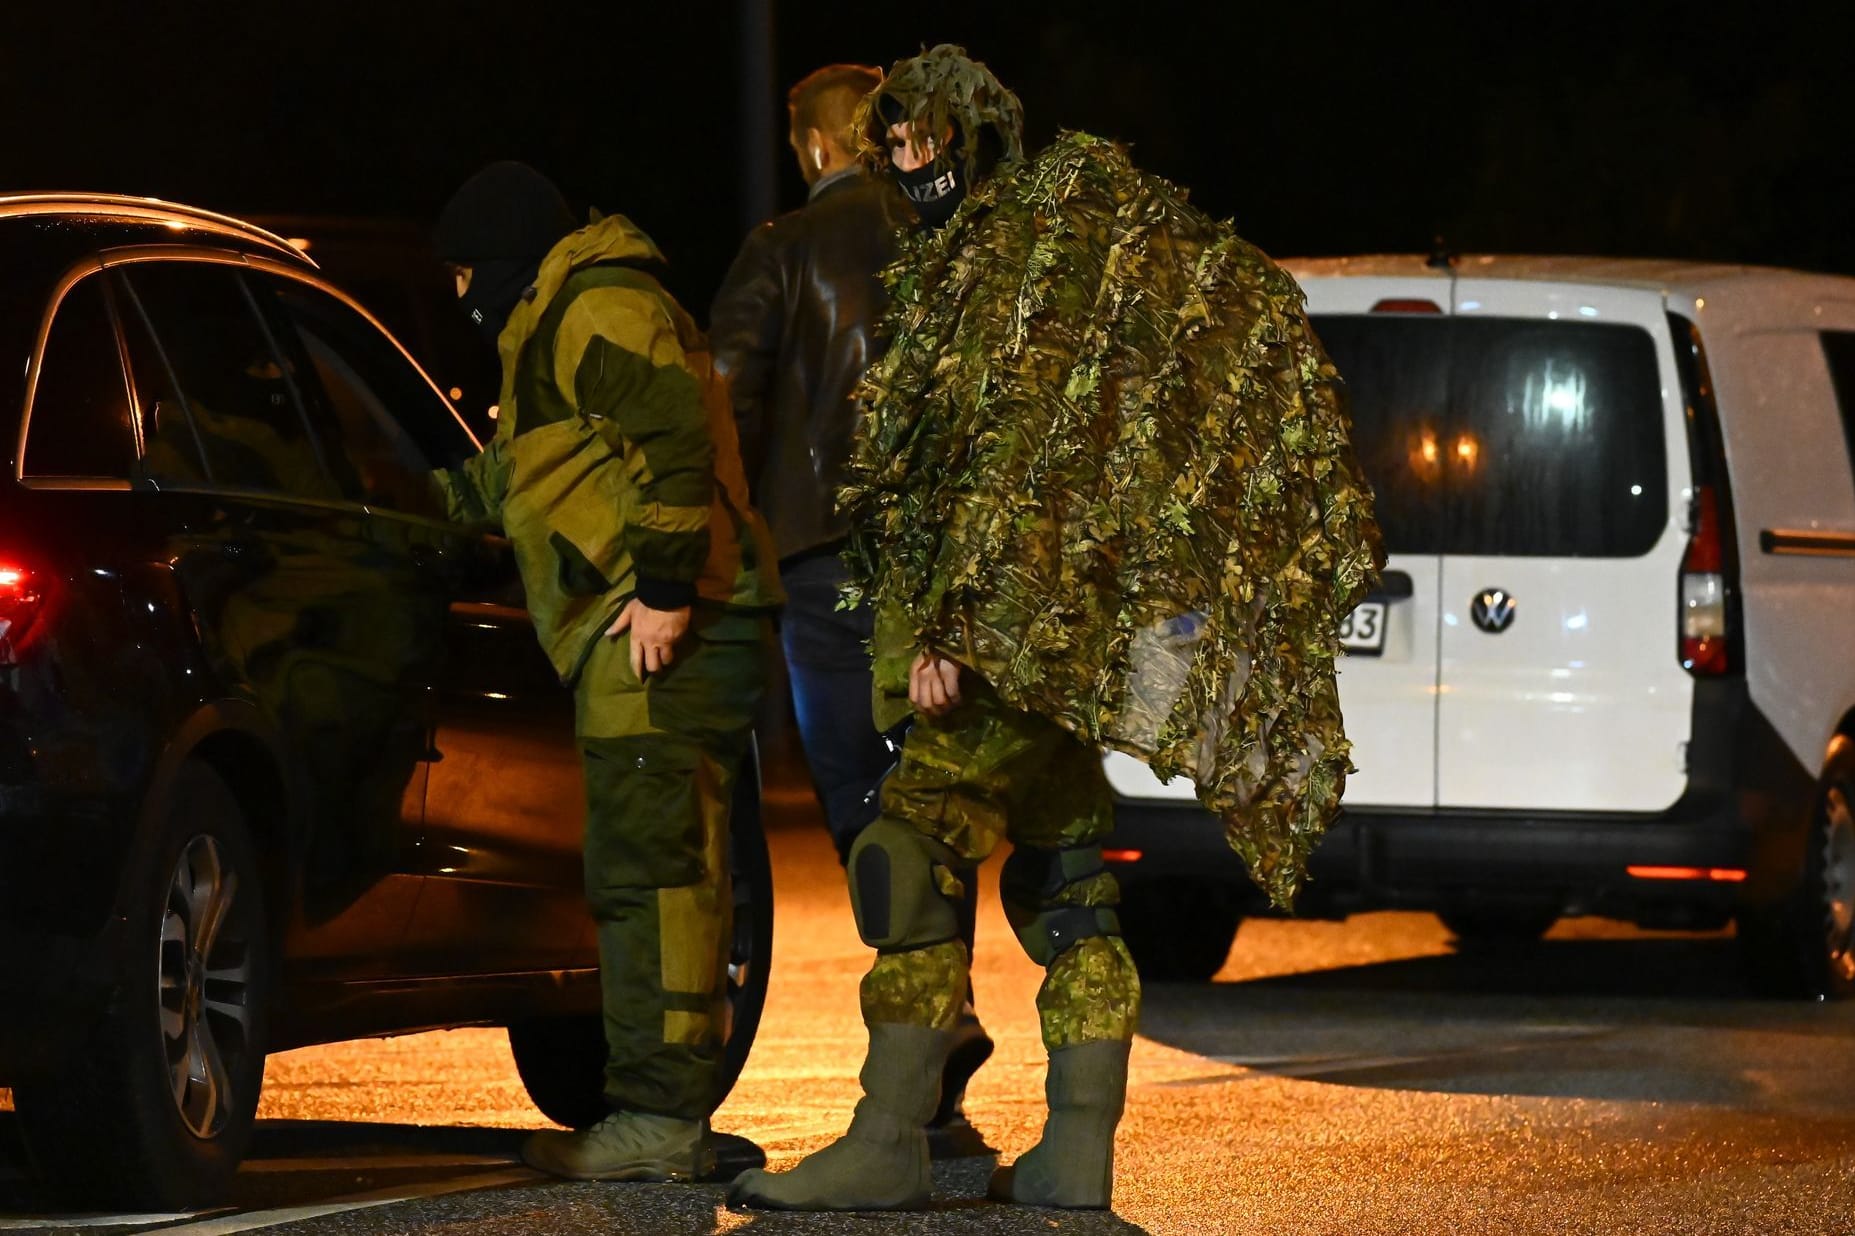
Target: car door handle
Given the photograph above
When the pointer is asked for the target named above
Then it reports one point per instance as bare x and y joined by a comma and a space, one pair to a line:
1392, 586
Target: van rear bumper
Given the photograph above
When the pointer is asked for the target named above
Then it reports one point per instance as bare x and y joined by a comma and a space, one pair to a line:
1686, 872
1747, 809
1646, 869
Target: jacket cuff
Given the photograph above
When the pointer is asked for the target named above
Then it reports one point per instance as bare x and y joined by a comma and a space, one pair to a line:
666, 593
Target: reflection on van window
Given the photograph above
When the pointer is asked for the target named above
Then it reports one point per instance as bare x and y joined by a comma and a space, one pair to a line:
1504, 436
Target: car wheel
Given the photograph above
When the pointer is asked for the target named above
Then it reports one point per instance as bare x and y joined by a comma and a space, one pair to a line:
561, 1060
156, 1112
1804, 946
1177, 930
1490, 928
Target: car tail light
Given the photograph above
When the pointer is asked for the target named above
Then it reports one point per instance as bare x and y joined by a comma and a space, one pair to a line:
1703, 592
1398, 304
22, 598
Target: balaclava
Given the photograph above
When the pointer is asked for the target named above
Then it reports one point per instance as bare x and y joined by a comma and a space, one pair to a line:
501, 223
936, 188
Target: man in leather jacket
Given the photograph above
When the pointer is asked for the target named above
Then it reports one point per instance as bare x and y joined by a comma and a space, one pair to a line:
792, 330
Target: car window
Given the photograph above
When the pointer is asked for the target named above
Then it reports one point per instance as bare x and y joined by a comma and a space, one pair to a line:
219, 403
393, 428
404, 402
81, 421
1507, 436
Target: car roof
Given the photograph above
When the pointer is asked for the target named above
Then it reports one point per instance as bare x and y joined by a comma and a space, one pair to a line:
125, 216
1674, 279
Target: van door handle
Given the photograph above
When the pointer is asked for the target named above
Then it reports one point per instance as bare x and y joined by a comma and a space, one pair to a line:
1392, 586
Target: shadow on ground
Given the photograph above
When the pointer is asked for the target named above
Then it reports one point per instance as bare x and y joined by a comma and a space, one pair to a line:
1656, 1019
298, 1162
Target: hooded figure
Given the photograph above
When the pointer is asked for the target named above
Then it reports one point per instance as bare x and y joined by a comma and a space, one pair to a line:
1103, 496
615, 474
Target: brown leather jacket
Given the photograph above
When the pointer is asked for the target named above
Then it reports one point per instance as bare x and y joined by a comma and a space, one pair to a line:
792, 329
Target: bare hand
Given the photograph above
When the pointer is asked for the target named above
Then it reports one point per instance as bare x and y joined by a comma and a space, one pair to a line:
934, 685
654, 633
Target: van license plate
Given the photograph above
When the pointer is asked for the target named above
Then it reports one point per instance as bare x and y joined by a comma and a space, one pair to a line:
1363, 632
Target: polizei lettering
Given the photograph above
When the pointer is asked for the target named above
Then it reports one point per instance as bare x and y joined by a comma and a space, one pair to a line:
934, 189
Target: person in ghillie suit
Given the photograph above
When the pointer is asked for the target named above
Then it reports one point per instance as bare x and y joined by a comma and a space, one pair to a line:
1103, 496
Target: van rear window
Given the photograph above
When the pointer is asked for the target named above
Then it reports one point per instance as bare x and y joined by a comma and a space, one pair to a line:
1506, 436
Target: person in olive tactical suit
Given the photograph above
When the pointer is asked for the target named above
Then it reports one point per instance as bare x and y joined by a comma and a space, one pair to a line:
615, 473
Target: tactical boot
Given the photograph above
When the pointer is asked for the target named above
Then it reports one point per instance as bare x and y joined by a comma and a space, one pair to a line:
625, 1146
1073, 1165
950, 1134
881, 1163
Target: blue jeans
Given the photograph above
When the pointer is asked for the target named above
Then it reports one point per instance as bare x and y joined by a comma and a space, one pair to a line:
828, 662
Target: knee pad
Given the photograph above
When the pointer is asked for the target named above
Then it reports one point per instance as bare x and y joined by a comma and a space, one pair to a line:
900, 882
1036, 888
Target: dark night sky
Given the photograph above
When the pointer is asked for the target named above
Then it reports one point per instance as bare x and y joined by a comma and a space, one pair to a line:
1639, 128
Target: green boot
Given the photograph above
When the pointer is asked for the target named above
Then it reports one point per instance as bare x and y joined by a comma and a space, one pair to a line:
881, 1163
1073, 1165
625, 1146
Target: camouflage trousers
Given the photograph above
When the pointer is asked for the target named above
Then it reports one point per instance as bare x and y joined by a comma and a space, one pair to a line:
987, 773
661, 758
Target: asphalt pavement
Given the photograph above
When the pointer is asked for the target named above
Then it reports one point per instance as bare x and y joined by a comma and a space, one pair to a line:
1361, 1077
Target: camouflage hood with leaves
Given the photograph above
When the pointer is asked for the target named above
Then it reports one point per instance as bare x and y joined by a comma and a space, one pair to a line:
940, 91
1106, 464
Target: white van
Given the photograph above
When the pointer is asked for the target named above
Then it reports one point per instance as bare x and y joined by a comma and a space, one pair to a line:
1611, 668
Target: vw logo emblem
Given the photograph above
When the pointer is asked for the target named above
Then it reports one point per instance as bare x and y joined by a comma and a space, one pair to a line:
1493, 610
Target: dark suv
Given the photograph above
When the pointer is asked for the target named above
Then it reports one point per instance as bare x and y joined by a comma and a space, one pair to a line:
280, 759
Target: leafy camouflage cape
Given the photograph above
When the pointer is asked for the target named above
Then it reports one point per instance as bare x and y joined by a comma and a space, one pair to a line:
1105, 464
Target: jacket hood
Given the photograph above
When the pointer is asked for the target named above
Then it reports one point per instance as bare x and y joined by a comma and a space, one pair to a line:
608, 238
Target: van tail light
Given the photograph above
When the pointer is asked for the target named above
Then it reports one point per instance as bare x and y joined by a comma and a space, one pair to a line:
22, 600
1703, 592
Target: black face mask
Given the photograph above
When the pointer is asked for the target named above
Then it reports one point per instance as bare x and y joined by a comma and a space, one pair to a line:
496, 288
936, 191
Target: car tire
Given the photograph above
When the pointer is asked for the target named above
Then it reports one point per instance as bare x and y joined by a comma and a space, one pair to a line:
561, 1060
750, 954
1490, 928
1179, 931
156, 1111
1803, 947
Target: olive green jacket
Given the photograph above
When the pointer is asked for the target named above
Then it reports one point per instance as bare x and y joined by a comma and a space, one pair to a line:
615, 470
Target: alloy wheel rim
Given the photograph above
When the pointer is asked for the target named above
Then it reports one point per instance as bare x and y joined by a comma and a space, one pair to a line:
1839, 874
205, 987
